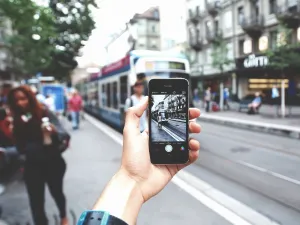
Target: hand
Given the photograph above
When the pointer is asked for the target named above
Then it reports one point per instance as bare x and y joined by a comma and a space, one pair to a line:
51, 130
150, 179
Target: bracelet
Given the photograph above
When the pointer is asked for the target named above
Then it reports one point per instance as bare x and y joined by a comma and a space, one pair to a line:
92, 217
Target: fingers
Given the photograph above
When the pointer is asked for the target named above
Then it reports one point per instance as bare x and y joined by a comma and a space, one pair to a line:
194, 145
193, 156
134, 113
194, 127
194, 113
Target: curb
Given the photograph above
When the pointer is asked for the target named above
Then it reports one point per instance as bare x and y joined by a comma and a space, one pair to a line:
283, 130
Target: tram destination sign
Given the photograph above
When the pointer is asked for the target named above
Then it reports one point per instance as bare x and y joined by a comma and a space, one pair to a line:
165, 65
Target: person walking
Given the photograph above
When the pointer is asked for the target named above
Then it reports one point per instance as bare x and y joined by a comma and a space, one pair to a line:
135, 100
44, 163
207, 99
226, 99
75, 107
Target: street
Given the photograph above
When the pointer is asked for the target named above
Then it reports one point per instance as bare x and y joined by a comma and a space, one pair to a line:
171, 131
241, 178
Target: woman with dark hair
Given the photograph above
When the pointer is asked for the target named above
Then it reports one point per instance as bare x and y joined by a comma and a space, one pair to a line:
44, 163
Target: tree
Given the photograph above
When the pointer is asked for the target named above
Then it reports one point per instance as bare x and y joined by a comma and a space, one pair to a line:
32, 27
73, 24
220, 55
47, 39
285, 55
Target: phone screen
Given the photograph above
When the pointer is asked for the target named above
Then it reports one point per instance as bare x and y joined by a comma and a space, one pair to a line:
168, 121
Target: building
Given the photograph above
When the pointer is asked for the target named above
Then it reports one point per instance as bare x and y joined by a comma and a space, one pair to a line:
142, 32
5, 31
248, 28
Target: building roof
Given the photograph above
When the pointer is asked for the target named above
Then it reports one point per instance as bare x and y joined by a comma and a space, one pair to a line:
150, 14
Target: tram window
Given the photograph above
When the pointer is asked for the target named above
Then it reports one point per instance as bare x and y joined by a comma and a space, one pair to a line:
123, 89
108, 95
115, 95
103, 95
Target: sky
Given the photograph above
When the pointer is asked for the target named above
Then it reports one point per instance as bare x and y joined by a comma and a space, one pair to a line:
110, 19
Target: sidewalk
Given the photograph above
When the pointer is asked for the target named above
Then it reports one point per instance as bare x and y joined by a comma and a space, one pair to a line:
265, 121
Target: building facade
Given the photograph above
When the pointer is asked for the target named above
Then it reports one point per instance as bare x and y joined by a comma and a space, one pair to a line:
248, 28
142, 32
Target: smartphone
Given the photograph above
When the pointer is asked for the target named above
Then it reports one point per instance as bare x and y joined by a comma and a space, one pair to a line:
168, 121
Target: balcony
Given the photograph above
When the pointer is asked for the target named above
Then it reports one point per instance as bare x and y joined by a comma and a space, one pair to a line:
213, 36
289, 14
194, 15
253, 25
213, 7
196, 41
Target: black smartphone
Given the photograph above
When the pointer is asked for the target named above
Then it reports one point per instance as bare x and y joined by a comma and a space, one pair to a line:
168, 121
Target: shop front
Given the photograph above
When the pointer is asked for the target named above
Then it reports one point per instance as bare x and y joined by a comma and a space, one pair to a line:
254, 75
202, 82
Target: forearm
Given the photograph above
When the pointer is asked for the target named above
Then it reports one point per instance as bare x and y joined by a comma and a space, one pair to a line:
121, 198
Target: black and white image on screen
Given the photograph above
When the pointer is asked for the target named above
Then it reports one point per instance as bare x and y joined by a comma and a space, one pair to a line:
168, 118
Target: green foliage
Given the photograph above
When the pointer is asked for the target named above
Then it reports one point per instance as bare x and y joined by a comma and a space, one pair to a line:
285, 55
220, 55
59, 32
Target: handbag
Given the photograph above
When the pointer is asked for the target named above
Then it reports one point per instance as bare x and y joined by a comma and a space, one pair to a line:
69, 117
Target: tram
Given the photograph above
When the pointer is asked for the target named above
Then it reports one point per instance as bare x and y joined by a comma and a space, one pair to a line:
105, 93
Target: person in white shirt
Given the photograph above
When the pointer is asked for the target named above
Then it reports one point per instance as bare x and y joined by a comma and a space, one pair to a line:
50, 103
135, 100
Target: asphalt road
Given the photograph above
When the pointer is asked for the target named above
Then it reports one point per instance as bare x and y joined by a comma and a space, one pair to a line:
171, 131
242, 177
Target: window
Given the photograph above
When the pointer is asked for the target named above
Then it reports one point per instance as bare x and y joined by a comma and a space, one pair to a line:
240, 15
272, 6
123, 89
273, 39
108, 95
115, 95
153, 28
103, 95
241, 47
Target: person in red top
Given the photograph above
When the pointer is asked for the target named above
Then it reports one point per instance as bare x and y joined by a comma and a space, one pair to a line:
75, 107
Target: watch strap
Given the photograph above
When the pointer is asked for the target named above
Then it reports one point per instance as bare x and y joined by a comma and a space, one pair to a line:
99, 218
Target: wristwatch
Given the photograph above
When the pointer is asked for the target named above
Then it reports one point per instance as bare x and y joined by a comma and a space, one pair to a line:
99, 218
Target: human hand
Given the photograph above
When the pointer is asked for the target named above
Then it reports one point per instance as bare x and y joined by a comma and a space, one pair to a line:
150, 179
50, 129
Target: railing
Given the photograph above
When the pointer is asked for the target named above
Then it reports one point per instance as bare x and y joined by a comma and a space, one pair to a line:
252, 21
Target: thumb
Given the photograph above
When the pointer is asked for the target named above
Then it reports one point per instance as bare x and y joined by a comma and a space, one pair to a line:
134, 114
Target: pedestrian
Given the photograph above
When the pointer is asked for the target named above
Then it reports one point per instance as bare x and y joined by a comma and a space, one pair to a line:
40, 97
134, 100
50, 102
274, 96
75, 107
207, 99
226, 98
44, 163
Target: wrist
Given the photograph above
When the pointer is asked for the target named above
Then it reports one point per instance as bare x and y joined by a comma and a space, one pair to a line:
121, 198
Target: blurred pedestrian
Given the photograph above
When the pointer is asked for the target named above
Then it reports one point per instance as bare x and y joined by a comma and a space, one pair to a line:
75, 107
207, 99
255, 104
135, 100
50, 102
44, 163
40, 97
226, 98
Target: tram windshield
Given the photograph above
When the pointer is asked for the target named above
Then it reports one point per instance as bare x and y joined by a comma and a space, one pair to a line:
163, 75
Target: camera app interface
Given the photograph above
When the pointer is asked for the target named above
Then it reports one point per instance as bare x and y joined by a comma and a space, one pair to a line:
169, 118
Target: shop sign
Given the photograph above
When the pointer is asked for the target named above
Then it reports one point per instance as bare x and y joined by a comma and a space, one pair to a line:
256, 61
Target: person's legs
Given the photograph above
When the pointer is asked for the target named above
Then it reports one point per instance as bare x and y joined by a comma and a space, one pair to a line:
54, 178
35, 184
74, 120
78, 118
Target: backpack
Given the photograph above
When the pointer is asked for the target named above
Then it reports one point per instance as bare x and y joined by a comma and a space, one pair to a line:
131, 101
